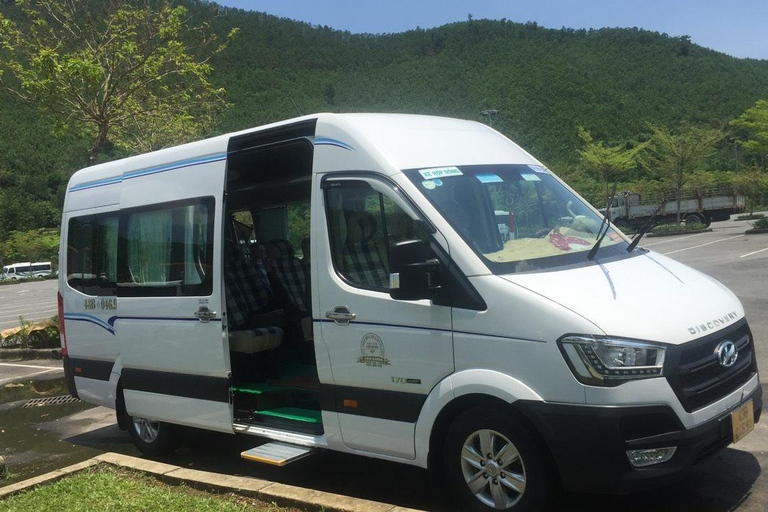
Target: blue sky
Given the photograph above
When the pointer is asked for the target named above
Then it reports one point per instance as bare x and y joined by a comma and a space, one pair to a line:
736, 28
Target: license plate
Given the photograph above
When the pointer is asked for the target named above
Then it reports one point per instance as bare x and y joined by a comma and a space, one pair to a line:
743, 421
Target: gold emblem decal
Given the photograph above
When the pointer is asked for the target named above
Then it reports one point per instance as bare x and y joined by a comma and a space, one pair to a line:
372, 351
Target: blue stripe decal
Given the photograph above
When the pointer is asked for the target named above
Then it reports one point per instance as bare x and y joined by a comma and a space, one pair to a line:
166, 319
149, 171
82, 317
325, 141
323, 320
109, 325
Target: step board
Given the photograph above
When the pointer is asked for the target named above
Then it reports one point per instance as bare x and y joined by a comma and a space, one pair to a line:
293, 413
276, 453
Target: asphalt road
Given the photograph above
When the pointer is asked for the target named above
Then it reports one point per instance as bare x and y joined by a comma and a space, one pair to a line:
34, 300
15, 371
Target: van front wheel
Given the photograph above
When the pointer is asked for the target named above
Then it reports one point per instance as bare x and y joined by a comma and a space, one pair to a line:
493, 463
153, 438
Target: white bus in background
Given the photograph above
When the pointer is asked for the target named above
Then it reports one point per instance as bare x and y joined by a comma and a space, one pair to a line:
26, 270
458, 307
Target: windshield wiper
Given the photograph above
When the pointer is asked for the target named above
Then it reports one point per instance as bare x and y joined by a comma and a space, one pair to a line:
606, 222
646, 227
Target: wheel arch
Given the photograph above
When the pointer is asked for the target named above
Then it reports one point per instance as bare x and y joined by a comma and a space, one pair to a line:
462, 391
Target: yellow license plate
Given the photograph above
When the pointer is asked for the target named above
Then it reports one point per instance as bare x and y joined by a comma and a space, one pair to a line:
743, 421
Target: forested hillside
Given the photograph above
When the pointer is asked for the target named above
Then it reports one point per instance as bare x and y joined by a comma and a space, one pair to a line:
545, 83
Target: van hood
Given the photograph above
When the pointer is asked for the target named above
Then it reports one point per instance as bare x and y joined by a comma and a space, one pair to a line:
647, 296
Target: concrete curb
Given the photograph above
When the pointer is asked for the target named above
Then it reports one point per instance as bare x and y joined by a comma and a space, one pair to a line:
25, 354
756, 231
265, 490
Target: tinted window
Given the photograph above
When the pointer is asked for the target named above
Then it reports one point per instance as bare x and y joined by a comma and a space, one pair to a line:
363, 224
92, 254
167, 250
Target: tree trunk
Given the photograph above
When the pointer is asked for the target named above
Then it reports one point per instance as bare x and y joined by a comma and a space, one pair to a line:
98, 145
677, 194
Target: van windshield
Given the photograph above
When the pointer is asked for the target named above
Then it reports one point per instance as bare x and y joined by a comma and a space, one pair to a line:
518, 218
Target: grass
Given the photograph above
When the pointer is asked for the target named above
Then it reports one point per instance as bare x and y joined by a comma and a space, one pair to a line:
104, 488
750, 217
666, 229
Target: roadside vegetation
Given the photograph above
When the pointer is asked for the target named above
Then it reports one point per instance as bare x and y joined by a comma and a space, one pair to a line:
760, 224
34, 335
673, 229
107, 488
626, 108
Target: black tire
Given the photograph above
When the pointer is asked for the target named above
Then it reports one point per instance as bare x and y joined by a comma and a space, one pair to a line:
696, 218
152, 438
624, 226
496, 483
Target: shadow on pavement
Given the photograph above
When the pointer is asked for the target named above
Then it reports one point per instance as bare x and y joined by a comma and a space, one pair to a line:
731, 480
718, 485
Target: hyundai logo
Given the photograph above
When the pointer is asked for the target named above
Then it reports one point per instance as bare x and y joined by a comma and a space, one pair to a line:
726, 353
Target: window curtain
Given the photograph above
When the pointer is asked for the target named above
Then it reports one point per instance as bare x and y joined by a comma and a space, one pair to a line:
149, 246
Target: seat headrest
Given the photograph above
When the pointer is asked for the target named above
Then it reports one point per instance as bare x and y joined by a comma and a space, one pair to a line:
280, 248
258, 251
361, 227
403, 227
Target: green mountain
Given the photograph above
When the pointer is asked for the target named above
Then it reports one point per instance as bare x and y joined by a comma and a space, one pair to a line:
544, 83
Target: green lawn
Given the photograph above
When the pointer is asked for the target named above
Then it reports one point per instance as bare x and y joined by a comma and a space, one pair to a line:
107, 489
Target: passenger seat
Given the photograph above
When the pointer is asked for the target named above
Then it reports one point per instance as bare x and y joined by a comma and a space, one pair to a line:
247, 291
362, 256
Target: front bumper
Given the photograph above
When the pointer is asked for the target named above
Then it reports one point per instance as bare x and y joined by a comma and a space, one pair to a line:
589, 443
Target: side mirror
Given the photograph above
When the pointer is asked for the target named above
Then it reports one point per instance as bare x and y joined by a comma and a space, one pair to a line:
414, 275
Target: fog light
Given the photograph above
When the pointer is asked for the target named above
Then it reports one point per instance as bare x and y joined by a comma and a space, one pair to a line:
642, 458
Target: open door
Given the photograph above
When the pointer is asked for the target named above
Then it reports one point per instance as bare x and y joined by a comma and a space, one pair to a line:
175, 358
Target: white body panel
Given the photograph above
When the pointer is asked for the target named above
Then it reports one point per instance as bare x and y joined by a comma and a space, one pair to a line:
648, 297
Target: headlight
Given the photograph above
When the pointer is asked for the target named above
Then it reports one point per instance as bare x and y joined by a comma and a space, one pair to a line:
609, 362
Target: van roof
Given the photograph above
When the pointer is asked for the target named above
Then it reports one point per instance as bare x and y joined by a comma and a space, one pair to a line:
404, 138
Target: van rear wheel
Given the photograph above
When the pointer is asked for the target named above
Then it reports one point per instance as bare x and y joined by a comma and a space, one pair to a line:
494, 463
152, 438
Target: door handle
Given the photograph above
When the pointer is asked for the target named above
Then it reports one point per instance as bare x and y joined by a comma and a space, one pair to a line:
204, 314
340, 315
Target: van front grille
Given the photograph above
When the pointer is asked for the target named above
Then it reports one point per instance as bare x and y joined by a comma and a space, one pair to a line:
696, 375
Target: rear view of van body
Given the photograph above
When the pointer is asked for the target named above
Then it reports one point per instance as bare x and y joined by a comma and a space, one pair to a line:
410, 288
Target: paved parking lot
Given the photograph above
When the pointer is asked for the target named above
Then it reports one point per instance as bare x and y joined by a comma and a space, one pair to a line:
34, 300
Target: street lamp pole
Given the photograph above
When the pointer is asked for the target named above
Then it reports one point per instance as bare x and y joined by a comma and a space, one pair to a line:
735, 141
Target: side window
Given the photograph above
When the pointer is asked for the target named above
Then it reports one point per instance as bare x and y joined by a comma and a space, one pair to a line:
166, 250
365, 219
92, 254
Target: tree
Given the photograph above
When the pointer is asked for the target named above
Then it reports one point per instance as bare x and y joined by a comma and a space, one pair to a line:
132, 74
609, 163
753, 183
34, 245
672, 156
754, 122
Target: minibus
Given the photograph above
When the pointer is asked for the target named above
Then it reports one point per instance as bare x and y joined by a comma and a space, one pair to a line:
25, 270
411, 288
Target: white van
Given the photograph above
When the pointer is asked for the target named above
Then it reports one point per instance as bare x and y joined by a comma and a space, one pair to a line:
26, 270
411, 329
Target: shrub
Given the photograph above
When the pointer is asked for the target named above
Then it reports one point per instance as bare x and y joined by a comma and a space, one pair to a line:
665, 229
760, 223
32, 335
